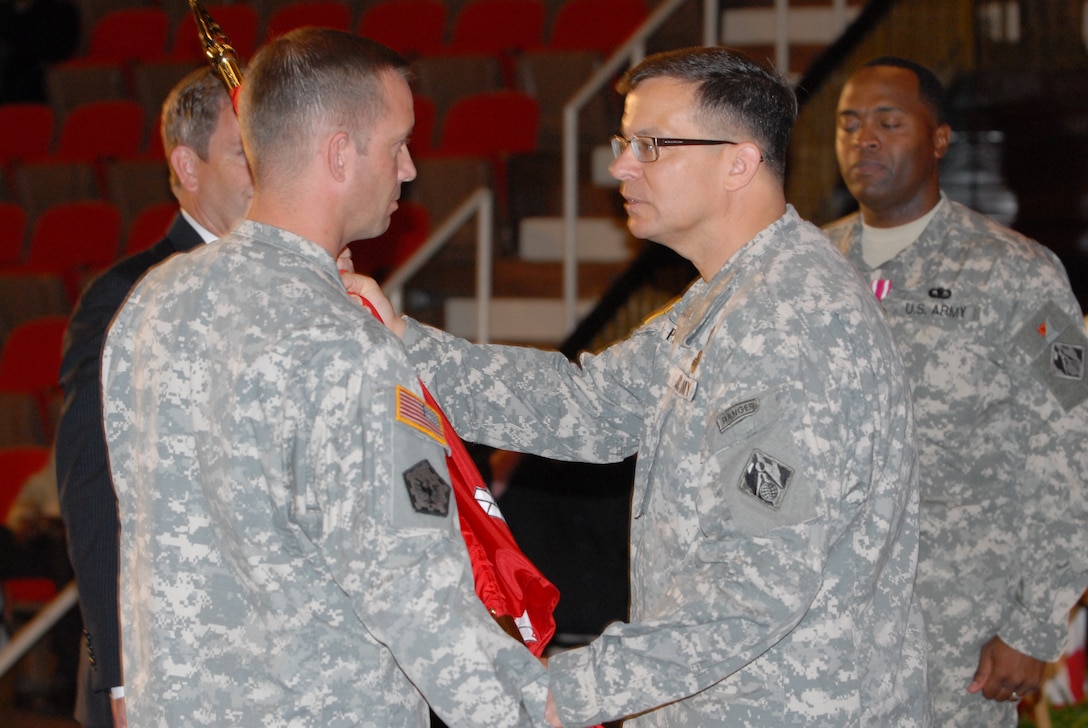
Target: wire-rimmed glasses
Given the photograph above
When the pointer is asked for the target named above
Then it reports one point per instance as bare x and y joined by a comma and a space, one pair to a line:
647, 148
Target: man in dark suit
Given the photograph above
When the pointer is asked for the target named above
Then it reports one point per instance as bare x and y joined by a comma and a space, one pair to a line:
210, 178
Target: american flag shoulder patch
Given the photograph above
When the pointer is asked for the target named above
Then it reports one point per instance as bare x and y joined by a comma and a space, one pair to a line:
417, 414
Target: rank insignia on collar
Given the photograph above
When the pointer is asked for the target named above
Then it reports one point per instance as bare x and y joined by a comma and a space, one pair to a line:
428, 492
766, 479
417, 414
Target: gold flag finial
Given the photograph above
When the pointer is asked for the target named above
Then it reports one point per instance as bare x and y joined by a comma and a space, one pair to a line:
217, 48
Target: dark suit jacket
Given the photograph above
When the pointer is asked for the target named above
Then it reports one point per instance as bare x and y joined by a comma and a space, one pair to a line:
88, 503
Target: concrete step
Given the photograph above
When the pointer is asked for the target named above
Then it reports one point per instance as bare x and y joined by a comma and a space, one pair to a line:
600, 239
536, 321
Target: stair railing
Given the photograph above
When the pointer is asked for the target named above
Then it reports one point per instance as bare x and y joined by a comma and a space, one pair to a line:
480, 203
35, 629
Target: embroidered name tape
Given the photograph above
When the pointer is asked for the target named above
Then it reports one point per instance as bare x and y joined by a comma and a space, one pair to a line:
420, 416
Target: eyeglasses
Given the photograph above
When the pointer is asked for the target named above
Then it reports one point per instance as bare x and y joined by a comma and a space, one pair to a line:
647, 149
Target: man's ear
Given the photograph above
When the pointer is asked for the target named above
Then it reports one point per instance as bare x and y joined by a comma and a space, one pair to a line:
337, 155
183, 161
743, 166
942, 137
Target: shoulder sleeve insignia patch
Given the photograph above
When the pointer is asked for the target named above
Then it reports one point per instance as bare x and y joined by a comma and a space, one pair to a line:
1067, 360
428, 492
417, 414
766, 479
1056, 346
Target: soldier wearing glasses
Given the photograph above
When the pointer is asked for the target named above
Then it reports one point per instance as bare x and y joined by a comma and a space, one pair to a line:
774, 528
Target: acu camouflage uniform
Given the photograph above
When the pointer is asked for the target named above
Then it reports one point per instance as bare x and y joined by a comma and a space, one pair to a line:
290, 555
774, 516
994, 344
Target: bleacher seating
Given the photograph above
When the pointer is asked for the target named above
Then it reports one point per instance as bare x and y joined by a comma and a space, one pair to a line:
149, 226
75, 240
498, 27
240, 23
321, 13
127, 35
29, 388
96, 140
27, 132
412, 28
595, 25
12, 233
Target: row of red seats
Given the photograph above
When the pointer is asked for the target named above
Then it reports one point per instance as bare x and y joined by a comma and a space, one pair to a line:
412, 27
99, 156
86, 236
95, 130
74, 240
84, 232
71, 242
125, 60
477, 125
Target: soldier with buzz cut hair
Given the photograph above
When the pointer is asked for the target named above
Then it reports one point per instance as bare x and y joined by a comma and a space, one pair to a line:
994, 342
291, 553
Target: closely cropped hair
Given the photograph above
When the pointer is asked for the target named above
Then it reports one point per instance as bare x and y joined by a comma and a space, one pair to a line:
734, 94
191, 112
930, 88
305, 80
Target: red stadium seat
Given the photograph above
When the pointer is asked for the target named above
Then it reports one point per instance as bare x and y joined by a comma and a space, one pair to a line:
30, 364
75, 240
239, 23
149, 226
410, 27
490, 123
12, 233
493, 126
321, 13
16, 465
596, 25
498, 26
27, 131
128, 35
101, 130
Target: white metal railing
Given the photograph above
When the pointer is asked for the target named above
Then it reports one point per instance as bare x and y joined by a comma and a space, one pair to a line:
480, 203
33, 630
